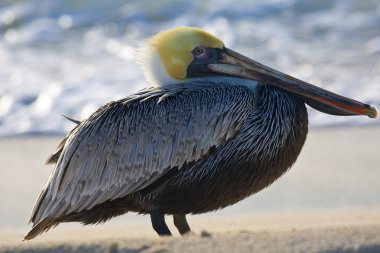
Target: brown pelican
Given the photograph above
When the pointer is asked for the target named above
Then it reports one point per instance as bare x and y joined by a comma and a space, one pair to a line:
216, 128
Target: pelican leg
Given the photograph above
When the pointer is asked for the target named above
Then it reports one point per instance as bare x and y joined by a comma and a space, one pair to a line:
181, 223
158, 223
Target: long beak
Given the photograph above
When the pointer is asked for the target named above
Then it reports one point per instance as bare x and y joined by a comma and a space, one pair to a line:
235, 64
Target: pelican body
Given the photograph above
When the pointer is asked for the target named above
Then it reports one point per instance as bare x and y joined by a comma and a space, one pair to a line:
215, 128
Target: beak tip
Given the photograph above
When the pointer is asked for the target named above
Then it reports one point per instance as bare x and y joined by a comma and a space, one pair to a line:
372, 112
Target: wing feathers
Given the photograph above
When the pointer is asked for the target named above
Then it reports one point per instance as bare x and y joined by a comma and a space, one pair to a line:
126, 145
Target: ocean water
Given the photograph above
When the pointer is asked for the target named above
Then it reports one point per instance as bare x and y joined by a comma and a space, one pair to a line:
70, 57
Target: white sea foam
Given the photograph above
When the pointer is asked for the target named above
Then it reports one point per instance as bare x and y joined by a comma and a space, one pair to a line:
62, 57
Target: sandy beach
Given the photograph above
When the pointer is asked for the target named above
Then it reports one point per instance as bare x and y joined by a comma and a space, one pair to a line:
328, 202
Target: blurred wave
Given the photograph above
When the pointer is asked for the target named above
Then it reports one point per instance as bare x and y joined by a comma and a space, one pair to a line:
70, 57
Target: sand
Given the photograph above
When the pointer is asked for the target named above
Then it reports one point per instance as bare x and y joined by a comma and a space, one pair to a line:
328, 202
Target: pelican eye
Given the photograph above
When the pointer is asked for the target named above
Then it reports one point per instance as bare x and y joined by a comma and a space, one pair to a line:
200, 52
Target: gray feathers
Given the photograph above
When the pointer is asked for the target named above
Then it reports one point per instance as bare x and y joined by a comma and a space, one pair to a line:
128, 144
55, 156
71, 119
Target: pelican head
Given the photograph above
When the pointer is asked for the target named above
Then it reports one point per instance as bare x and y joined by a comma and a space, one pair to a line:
180, 54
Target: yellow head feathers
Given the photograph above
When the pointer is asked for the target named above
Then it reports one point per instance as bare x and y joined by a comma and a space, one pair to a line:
174, 48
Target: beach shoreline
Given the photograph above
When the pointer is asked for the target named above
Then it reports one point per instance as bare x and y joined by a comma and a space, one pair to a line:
349, 231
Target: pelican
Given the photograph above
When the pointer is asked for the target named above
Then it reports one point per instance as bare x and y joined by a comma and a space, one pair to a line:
215, 128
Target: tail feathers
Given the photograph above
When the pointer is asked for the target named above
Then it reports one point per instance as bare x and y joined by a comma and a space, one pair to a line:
42, 226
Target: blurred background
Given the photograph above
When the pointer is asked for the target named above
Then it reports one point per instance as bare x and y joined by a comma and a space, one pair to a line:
70, 57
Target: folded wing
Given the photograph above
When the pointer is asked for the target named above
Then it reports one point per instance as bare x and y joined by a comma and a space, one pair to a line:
128, 144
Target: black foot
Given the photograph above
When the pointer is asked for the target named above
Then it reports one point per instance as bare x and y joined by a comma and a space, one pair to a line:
158, 223
181, 223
